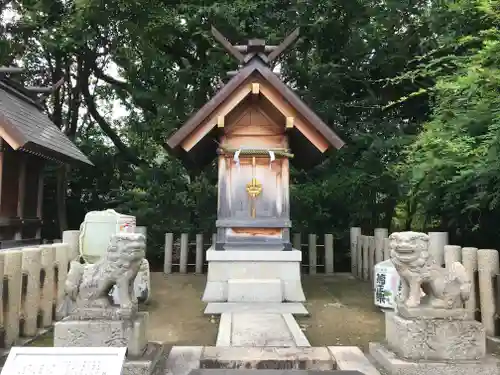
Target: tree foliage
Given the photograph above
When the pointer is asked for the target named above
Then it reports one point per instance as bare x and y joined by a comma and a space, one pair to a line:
412, 86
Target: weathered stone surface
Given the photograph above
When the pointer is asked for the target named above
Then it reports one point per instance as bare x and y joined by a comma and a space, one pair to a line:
435, 339
87, 286
92, 333
151, 362
393, 365
444, 288
294, 308
260, 330
267, 358
352, 358
428, 312
271, 372
183, 359
254, 290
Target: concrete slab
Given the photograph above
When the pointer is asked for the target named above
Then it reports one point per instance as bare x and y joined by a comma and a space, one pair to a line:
295, 308
393, 365
266, 358
254, 290
260, 330
352, 358
183, 359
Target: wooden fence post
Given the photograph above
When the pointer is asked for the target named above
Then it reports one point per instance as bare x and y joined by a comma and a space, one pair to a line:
297, 241
380, 235
183, 259
199, 254
355, 235
329, 254
312, 254
469, 260
488, 264
169, 249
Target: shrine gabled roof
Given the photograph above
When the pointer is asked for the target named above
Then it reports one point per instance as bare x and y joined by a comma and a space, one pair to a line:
25, 126
254, 68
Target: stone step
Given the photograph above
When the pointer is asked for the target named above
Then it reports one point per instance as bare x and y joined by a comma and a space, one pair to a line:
266, 358
254, 290
251, 330
183, 359
295, 308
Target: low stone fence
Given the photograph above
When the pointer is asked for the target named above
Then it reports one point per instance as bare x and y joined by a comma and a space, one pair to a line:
482, 265
184, 256
33, 286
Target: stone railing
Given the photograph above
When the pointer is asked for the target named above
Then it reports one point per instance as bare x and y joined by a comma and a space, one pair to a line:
482, 265
33, 286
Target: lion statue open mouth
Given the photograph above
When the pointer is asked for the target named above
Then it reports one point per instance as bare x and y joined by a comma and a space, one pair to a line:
87, 285
444, 288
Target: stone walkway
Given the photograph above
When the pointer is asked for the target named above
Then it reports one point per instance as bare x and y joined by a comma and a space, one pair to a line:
261, 330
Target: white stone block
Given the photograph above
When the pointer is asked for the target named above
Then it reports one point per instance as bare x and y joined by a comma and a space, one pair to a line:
254, 255
254, 290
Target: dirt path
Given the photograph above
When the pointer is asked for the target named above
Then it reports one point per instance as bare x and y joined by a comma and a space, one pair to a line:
176, 311
342, 312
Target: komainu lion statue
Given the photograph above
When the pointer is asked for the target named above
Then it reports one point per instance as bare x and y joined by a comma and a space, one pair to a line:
87, 286
444, 288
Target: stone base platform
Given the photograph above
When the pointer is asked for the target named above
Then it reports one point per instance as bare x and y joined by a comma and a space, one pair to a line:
183, 359
105, 333
253, 276
435, 339
393, 365
151, 362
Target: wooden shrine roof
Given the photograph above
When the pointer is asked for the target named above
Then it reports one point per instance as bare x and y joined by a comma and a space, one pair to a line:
256, 66
25, 126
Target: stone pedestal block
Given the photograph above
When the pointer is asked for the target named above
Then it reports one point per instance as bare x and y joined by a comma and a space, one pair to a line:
233, 270
435, 339
106, 333
391, 364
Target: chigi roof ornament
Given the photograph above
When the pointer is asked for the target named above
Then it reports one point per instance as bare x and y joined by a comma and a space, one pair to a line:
255, 48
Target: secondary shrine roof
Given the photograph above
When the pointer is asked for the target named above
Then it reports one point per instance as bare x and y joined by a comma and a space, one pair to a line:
196, 141
25, 126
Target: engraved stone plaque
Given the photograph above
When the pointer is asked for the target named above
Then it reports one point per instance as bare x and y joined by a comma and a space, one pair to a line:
56, 360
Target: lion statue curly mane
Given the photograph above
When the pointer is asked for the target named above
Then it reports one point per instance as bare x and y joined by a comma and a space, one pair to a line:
87, 286
444, 288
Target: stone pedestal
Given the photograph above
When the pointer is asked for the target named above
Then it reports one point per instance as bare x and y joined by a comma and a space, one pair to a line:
253, 276
437, 346
435, 339
142, 357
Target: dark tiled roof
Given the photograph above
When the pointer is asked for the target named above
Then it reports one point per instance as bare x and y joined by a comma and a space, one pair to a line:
24, 125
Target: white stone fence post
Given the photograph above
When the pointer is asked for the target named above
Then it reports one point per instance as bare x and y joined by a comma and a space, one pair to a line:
482, 266
32, 288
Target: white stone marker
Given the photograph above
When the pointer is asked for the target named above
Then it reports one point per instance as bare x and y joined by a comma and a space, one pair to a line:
74, 361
